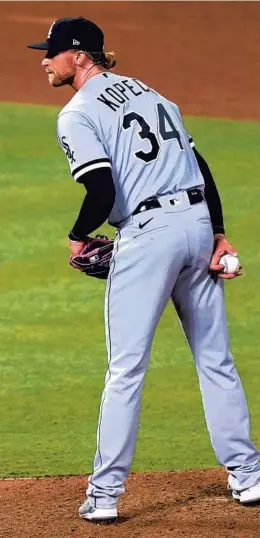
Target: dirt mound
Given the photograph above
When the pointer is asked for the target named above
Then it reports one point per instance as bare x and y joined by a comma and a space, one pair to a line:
202, 55
192, 504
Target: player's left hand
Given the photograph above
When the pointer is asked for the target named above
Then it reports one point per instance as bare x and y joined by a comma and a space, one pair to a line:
222, 247
76, 247
94, 260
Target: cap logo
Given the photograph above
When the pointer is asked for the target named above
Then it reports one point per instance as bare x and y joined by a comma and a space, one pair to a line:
50, 30
76, 42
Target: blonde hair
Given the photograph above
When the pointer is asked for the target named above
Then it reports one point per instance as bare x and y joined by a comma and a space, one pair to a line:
106, 59
110, 60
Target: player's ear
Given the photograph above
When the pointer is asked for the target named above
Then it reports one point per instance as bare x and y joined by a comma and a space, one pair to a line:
80, 58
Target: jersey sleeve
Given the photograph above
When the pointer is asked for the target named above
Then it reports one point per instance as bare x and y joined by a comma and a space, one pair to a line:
190, 139
186, 133
80, 142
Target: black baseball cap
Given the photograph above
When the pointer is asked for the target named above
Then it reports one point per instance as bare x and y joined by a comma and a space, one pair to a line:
71, 33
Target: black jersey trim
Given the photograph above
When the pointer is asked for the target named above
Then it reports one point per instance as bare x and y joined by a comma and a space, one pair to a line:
90, 165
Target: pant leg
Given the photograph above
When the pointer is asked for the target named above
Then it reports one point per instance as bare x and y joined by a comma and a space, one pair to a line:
141, 279
199, 302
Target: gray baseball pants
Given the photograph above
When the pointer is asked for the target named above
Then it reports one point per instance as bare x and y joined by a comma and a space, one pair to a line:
168, 258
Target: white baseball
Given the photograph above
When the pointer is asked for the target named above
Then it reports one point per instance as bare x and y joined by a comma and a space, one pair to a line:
231, 263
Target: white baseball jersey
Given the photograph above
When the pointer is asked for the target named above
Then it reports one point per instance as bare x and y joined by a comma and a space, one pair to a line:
119, 122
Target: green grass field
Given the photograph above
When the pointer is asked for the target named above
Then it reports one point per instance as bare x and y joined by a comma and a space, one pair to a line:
53, 357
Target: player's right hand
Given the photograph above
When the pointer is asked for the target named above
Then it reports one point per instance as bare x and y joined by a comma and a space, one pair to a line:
221, 247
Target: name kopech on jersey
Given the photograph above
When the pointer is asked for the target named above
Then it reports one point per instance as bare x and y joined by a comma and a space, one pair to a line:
119, 93
121, 123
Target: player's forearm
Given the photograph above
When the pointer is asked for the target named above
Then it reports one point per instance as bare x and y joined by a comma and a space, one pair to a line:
211, 195
96, 205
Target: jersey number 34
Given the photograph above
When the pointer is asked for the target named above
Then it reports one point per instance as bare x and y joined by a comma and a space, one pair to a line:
146, 133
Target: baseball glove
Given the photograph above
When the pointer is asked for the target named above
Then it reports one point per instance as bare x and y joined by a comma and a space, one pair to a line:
94, 259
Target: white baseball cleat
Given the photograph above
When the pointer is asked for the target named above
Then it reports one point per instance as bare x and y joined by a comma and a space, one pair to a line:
246, 496
88, 511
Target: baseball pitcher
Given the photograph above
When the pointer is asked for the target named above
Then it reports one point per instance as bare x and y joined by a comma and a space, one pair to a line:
126, 144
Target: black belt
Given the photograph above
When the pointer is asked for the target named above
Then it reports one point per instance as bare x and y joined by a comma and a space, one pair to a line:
195, 197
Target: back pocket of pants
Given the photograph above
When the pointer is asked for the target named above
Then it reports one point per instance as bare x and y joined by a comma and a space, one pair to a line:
151, 231
206, 239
